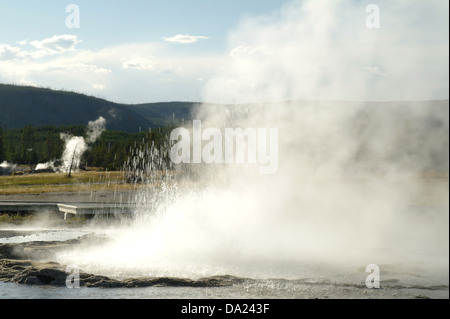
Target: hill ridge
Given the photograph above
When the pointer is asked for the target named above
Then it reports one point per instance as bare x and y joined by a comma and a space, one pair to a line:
27, 105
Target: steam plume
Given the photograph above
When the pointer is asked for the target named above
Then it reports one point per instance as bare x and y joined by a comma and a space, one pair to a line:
95, 129
76, 146
348, 191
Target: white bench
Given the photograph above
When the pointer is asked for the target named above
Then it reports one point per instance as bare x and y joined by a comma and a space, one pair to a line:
93, 209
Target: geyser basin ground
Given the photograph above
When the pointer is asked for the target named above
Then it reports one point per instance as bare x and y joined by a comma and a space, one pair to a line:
202, 235
327, 286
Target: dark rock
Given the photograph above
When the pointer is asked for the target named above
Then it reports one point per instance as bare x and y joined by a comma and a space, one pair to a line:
42, 274
95, 281
12, 251
157, 282
32, 280
220, 281
17, 266
9, 268
421, 297
54, 274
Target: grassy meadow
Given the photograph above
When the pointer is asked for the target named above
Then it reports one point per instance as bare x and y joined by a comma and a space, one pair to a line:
60, 182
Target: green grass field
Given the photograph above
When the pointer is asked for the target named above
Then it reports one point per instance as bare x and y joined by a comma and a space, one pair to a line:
59, 182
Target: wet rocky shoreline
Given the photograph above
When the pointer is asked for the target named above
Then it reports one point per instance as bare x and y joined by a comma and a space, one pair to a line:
31, 264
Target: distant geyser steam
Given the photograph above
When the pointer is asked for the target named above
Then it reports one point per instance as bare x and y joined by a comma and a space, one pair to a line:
76, 146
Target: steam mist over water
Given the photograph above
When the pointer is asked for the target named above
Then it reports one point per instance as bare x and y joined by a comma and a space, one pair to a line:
349, 190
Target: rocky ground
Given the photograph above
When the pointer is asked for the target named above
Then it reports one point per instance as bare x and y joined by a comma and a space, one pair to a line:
30, 264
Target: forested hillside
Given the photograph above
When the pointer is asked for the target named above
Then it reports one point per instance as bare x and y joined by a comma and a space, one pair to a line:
21, 106
34, 145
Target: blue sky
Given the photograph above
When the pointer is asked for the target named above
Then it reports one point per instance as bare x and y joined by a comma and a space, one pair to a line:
147, 51
108, 24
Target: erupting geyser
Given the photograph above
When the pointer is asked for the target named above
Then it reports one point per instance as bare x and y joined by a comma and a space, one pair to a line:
75, 147
349, 190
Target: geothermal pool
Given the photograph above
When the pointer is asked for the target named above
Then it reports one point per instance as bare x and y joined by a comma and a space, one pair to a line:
267, 276
23, 235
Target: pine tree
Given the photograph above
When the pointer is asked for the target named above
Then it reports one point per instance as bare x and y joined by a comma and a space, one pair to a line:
27, 152
51, 146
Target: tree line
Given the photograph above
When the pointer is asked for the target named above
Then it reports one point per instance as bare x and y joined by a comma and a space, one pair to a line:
33, 145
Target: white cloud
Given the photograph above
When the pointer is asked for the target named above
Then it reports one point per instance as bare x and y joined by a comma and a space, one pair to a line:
318, 58
185, 38
57, 44
8, 52
130, 73
80, 68
139, 63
